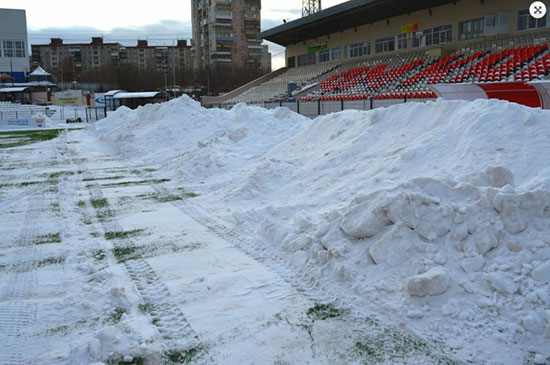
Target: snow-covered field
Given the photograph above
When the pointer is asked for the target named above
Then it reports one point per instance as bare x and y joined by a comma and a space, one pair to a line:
414, 234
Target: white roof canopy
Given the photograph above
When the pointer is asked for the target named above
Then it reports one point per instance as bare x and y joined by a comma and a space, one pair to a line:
138, 95
13, 89
40, 72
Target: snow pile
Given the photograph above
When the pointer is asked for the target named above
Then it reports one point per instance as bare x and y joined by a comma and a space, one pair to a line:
195, 142
437, 212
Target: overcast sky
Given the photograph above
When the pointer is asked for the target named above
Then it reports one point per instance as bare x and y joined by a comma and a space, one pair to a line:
125, 21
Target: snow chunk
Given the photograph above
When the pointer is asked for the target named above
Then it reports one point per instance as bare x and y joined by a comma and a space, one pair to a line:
433, 282
394, 247
542, 272
500, 282
472, 264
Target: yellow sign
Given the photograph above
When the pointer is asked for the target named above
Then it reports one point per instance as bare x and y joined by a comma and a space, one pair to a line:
409, 28
69, 97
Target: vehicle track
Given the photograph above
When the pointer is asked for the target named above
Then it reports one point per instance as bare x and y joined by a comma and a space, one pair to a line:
174, 329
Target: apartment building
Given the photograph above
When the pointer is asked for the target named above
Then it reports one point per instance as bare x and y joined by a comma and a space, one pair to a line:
84, 58
227, 32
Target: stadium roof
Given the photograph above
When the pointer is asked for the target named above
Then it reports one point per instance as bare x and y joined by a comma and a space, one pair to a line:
344, 16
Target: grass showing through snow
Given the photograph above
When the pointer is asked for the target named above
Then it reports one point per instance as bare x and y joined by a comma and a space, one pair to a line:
20, 138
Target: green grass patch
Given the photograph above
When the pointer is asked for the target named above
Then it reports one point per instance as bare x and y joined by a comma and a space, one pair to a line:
323, 311
99, 255
167, 197
100, 203
48, 238
21, 138
146, 307
185, 356
112, 235
131, 183
55, 175
116, 315
123, 254
104, 178
62, 330
57, 260
81, 204
135, 361
55, 207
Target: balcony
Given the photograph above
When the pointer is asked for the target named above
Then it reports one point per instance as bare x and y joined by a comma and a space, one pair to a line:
224, 15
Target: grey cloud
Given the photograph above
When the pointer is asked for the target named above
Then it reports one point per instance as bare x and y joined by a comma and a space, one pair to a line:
165, 32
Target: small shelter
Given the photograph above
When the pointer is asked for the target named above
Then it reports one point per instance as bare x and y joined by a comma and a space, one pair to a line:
117, 98
16, 94
40, 75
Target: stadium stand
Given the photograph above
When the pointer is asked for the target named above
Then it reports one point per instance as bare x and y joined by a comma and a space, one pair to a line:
408, 76
277, 87
15, 110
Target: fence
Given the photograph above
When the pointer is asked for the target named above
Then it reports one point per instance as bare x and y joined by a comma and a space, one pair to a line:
25, 113
313, 109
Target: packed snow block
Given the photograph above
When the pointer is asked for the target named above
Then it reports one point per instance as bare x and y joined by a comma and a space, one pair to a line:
364, 220
542, 272
537, 202
499, 176
485, 239
495, 176
433, 282
508, 207
394, 247
501, 283
473, 264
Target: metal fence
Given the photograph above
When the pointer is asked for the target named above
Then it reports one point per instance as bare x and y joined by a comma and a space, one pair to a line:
313, 109
25, 113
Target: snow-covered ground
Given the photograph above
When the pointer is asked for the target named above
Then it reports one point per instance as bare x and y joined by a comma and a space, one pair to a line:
412, 234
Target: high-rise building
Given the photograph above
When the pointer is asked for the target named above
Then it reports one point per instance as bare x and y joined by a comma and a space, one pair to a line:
226, 32
14, 60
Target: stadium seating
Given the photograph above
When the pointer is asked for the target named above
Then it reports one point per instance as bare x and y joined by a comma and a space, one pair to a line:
10, 110
408, 75
278, 87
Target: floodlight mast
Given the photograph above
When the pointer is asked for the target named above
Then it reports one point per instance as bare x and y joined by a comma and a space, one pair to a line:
310, 7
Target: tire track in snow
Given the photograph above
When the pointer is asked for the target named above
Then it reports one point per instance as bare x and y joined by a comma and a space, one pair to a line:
174, 329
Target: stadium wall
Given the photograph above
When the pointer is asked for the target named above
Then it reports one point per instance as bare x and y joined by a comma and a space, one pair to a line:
451, 14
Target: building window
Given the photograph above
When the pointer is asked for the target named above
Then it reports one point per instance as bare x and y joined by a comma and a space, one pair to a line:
14, 49
472, 28
402, 41
306, 59
324, 56
335, 54
386, 44
357, 50
526, 21
433, 36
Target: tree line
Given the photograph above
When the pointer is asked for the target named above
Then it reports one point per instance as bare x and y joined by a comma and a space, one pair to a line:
216, 79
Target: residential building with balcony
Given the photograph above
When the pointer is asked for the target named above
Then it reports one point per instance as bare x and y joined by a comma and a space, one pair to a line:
226, 32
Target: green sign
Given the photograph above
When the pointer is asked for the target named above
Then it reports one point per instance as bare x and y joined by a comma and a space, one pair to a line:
317, 47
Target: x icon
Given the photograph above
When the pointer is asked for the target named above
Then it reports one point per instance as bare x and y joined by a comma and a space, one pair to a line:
538, 9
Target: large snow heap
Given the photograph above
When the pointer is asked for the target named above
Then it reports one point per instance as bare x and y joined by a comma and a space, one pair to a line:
437, 212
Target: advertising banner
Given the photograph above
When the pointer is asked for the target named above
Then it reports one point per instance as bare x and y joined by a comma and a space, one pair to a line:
23, 123
99, 100
409, 28
68, 97
317, 47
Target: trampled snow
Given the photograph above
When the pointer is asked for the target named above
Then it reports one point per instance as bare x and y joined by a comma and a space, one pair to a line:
437, 214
